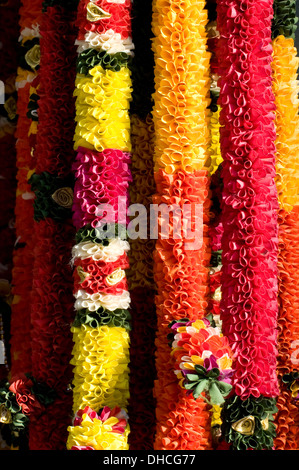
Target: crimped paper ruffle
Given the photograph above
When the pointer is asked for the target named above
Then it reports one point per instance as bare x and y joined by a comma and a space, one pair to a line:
108, 41
288, 328
100, 16
181, 278
56, 104
94, 433
100, 360
182, 85
250, 230
102, 105
285, 88
101, 178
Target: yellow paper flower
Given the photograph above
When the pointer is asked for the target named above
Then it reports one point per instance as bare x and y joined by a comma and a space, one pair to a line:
101, 370
98, 435
182, 84
102, 109
285, 87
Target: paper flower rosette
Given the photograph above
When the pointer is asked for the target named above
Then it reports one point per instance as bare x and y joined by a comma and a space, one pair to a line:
106, 430
203, 359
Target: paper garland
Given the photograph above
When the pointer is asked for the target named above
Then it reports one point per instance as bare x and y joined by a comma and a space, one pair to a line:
102, 140
285, 88
181, 159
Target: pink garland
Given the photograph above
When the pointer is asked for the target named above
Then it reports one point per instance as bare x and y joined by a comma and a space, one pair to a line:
250, 238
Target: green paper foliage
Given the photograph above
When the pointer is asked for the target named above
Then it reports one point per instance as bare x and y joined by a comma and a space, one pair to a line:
285, 19
101, 235
102, 317
90, 58
261, 408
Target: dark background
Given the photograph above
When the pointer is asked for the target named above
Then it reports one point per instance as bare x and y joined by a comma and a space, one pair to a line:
297, 31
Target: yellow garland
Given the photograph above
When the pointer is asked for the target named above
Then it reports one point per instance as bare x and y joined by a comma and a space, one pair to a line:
182, 84
285, 87
102, 109
101, 372
96, 434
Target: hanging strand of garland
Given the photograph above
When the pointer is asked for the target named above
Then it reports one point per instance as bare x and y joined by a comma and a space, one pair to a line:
13, 400
285, 87
102, 141
182, 164
250, 230
140, 275
52, 183
27, 79
215, 227
9, 33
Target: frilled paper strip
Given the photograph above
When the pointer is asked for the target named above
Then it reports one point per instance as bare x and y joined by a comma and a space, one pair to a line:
141, 190
89, 58
102, 180
181, 277
30, 14
288, 328
100, 276
101, 372
22, 255
285, 19
182, 85
203, 359
54, 147
51, 297
105, 430
286, 422
103, 317
248, 424
52, 303
250, 230
101, 15
285, 88
102, 105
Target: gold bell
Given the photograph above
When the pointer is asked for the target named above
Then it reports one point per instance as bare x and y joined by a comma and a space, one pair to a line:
64, 197
245, 426
5, 415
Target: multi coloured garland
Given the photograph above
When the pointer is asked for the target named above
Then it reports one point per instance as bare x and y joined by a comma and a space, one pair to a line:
285, 88
27, 78
102, 141
182, 139
51, 297
8, 121
212, 132
250, 239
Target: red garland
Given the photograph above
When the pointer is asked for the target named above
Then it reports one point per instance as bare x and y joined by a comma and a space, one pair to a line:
250, 238
51, 297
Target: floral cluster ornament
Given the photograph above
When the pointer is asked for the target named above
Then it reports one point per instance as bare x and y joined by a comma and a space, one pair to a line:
203, 359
